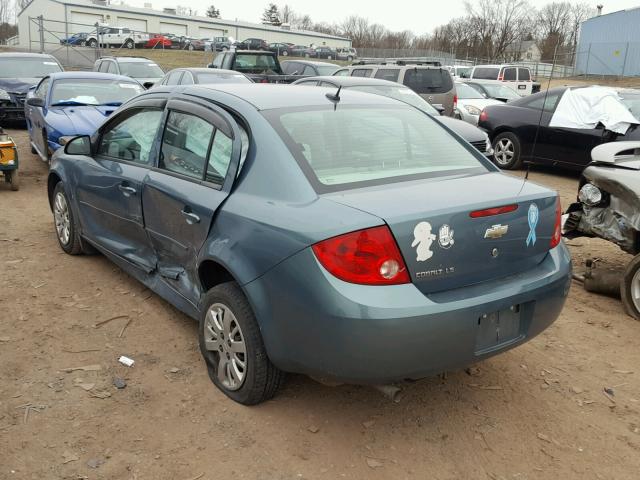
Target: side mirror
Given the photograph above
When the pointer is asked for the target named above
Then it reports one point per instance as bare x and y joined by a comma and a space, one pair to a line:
78, 146
148, 85
35, 102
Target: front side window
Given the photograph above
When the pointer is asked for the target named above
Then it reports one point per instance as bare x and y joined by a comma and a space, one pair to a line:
41, 91
132, 138
185, 145
358, 146
486, 73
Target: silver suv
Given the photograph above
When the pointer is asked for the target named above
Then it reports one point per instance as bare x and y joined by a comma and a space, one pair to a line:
431, 82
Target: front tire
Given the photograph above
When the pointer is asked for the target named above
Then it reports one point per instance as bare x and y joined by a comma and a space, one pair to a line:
14, 180
129, 44
285, 53
506, 148
65, 223
92, 43
630, 288
232, 347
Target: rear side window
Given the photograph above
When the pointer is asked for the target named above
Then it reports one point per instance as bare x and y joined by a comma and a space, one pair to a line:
174, 78
524, 74
428, 80
361, 72
342, 73
309, 70
111, 67
390, 74
548, 105
289, 67
486, 73
219, 158
509, 74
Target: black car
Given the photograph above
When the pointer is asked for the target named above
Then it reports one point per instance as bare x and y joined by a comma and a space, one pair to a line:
283, 49
513, 129
308, 67
252, 44
325, 52
302, 51
18, 73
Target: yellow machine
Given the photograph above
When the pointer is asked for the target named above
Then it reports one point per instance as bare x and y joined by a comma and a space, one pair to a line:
9, 160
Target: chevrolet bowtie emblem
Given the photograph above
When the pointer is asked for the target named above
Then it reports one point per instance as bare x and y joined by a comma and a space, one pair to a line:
496, 231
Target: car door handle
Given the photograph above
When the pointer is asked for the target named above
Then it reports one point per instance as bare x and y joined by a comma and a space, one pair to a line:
126, 190
190, 217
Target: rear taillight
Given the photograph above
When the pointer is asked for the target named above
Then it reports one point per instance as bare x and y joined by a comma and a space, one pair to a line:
557, 229
490, 212
455, 101
483, 116
367, 257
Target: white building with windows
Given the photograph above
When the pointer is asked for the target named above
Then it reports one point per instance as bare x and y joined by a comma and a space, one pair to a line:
65, 17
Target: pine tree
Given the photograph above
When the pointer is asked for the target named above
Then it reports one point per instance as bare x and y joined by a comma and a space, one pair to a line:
213, 12
271, 16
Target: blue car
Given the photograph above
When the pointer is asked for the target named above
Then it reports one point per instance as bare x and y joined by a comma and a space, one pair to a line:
338, 234
67, 104
78, 39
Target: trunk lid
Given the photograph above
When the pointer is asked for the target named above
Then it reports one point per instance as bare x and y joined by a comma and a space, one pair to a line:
442, 245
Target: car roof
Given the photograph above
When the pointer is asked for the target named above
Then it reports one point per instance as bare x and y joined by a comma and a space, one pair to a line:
271, 96
351, 81
90, 75
263, 52
395, 65
128, 59
205, 70
499, 65
26, 55
312, 62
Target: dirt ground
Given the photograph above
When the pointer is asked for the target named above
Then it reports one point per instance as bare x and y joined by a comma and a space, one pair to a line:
536, 412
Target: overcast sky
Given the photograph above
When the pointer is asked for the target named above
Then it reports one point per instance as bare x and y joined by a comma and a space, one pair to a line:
418, 16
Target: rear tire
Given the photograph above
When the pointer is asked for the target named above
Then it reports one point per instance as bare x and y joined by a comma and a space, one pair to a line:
92, 43
285, 53
630, 288
230, 341
506, 148
14, 180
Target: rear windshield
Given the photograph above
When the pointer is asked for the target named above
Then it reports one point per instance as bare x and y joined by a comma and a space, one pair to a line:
354, 146
401, 93
485, 73
25, 67
141, 70
428, 80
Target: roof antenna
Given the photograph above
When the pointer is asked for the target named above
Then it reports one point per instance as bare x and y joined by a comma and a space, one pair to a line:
334, 97
544, 103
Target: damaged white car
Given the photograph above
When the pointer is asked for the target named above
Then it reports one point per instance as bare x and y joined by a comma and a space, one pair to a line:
609, 207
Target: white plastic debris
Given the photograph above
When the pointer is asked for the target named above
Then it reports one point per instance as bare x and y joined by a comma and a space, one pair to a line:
126, 361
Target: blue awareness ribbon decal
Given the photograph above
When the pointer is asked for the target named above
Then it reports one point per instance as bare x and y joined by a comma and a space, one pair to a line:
532, 217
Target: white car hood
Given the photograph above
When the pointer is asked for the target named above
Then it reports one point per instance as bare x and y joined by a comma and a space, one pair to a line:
479, 103
586, 107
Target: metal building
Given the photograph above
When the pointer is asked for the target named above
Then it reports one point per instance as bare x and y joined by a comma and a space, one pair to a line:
73, 16
610, 44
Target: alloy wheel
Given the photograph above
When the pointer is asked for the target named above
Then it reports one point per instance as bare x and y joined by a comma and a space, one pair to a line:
635, 290
61, 218
504, 151
223, 337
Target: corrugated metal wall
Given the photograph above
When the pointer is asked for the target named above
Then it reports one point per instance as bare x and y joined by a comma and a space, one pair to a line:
610, 45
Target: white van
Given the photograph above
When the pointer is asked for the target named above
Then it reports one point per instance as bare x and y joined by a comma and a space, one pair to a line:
516, 77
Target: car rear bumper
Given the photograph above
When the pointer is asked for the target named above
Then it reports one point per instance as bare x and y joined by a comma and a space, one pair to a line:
315, 324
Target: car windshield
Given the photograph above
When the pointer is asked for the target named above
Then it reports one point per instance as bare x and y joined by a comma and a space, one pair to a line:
632, 102
222, 78
500, 91
467, 92
254, 63
27, 67
326, 70
141, 69
93, 92
401, 93
355, 146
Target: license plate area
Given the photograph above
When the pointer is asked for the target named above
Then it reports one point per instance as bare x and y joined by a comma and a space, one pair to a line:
498, 329
522, 87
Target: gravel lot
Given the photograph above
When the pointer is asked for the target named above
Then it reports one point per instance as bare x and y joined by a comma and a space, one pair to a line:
536, 412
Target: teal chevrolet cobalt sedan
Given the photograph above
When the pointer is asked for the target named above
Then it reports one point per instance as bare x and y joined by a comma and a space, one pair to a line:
333, 233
